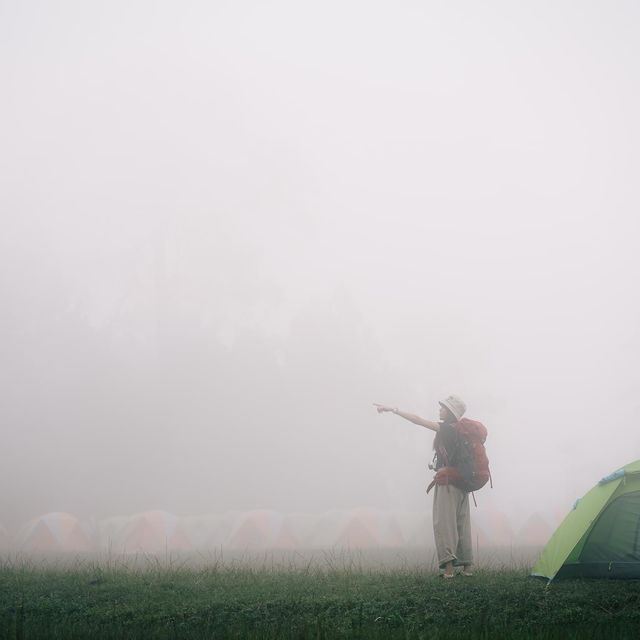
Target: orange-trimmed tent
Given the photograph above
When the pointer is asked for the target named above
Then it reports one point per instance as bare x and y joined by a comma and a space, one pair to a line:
368, 528
54, 532
262, 529
155, 532
491, 527
539, 527
363, 528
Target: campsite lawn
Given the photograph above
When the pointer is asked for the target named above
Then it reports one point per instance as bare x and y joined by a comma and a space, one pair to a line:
97, 601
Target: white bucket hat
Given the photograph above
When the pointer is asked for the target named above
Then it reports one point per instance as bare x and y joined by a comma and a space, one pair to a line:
455, 405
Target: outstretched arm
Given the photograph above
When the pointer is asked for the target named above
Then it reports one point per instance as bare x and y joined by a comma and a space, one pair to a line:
411, 417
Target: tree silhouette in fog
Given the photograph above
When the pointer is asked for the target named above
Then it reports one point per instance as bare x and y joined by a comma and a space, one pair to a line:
150, 409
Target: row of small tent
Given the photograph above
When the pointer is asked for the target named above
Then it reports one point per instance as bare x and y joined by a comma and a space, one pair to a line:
363, 528
599, 537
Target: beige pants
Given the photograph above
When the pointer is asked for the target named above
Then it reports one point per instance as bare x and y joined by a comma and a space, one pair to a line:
452, 526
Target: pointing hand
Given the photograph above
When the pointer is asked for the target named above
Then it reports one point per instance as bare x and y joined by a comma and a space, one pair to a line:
381, 408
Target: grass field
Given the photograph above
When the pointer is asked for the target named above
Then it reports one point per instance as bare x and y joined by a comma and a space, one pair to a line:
326, 595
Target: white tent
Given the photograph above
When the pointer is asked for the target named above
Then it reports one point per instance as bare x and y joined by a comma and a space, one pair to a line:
54, 531
262, 529
153, 532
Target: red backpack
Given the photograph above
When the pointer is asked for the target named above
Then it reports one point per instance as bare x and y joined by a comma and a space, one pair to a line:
471, 471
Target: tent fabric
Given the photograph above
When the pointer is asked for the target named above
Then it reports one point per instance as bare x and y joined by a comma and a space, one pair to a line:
54, 532
535, 531
538, 528
600, 537
491, 527
614, 536
262, 529
369, 528
209, 531
362, 528
154, 532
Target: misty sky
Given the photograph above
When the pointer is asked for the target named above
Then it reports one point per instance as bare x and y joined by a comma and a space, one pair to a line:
229, 227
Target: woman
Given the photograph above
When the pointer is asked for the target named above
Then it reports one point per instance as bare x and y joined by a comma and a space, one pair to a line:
451, 516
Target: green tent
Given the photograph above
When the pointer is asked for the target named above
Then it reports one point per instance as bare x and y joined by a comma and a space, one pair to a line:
600, 538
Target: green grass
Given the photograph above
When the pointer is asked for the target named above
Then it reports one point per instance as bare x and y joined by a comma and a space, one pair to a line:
332, 599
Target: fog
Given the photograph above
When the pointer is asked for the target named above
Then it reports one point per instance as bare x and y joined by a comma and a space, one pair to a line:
229, 227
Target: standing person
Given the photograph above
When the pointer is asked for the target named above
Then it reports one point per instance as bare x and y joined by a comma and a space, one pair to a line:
451, 515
